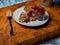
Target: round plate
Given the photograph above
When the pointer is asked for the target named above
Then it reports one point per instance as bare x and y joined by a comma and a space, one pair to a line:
17, 13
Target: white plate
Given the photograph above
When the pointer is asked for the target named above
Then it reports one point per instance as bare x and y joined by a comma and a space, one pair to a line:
17, 13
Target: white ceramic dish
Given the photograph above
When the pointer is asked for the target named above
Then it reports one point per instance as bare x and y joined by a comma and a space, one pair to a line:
17, 13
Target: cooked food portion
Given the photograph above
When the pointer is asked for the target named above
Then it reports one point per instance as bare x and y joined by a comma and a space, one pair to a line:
33, 13
23, 17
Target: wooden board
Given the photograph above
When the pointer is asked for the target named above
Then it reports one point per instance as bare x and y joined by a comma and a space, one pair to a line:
28, 36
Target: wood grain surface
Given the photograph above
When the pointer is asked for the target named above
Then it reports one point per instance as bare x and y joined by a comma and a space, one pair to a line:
24, 35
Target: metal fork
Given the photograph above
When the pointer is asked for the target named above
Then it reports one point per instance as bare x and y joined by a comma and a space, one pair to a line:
9, 17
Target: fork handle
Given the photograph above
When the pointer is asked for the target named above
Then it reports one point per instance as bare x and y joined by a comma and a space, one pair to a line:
11, 29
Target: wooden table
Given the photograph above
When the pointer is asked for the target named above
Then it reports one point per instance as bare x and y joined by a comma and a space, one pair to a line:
27, 36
